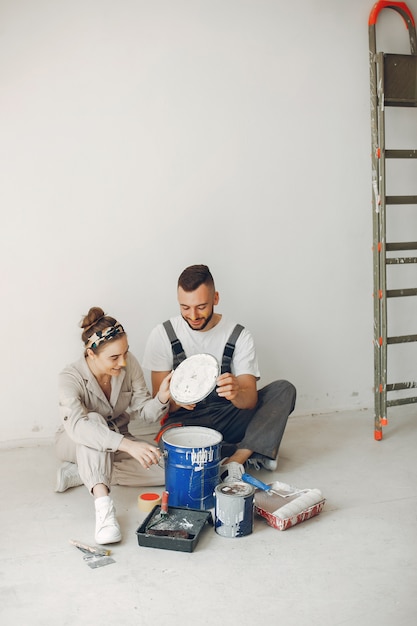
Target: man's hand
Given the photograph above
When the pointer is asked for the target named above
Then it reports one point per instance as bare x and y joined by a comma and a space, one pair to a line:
228, 386
189, 407
239, 390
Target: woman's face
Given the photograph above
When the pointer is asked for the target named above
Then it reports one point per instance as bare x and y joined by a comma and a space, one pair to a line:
111, 358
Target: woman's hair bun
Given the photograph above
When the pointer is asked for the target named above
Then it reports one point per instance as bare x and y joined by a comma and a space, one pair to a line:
92, 317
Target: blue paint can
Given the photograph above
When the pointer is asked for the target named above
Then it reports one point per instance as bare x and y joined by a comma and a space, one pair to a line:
192, 465
234, 509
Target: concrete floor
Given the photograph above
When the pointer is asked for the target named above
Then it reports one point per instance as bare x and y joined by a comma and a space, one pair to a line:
354, 564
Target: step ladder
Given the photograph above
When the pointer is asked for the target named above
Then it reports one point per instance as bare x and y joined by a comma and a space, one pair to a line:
393, 83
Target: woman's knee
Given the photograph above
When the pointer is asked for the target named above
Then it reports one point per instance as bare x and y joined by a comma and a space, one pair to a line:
65, 448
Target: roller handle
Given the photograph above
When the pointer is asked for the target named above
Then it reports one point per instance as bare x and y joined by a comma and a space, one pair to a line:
247, 478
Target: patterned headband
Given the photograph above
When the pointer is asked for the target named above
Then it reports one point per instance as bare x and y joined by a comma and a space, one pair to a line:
104, 335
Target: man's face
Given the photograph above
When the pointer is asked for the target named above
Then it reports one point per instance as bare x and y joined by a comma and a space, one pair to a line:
197, 307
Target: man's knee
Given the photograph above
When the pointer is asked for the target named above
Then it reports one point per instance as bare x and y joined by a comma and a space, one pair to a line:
279, 390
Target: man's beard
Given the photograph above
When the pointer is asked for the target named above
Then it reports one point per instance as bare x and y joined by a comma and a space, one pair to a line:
206, 321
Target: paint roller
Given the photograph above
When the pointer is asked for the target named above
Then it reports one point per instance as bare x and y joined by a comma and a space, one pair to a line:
268, 501
299, 504
280, 489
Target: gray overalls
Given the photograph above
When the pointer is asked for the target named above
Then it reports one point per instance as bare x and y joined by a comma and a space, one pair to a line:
260, 429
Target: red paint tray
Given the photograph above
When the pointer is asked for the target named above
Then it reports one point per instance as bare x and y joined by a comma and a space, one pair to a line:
303, 505
186, 521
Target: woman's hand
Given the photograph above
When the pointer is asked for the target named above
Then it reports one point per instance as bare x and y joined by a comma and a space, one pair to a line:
144, 452
164, 394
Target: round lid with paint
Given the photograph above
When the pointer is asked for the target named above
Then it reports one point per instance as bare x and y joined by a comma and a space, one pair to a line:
194, 379
236, 489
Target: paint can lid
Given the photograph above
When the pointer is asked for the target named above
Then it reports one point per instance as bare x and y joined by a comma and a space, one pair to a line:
194, 378
238, 488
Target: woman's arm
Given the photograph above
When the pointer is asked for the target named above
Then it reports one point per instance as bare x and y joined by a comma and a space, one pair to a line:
149, 408
82, 425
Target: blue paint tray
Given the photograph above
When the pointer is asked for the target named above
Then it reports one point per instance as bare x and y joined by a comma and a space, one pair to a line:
180, 530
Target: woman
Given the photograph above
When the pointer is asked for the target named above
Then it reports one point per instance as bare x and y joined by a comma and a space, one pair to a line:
97, 395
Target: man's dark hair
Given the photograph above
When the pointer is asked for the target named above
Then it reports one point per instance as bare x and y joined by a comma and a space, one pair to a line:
194, 276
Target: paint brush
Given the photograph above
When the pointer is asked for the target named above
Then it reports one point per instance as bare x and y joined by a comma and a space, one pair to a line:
90, 549
163, 514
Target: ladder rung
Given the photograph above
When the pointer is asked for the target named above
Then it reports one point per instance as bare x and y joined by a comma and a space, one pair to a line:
400, 401
398, 386
402, 339
401, 154
401, 245
401, 260
400, 293
400, 199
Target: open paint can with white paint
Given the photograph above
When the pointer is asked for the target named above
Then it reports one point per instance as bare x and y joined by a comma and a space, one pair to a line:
234, 509
192, 465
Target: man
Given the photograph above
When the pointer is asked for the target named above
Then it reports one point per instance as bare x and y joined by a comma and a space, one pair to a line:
252, 422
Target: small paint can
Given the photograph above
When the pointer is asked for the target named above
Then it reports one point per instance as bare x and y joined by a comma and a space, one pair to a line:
234, 509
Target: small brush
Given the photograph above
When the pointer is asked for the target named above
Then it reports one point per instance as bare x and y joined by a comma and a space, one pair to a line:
163, 514
90, 549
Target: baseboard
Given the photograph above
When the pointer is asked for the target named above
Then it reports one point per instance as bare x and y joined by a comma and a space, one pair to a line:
26, 443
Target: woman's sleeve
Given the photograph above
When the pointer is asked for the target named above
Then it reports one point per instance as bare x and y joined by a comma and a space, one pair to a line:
149, 409
82, 426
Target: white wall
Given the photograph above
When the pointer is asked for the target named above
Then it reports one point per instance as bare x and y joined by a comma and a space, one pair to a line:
138, 137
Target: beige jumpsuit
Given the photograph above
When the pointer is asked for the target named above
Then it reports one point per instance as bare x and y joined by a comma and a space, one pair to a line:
92, 427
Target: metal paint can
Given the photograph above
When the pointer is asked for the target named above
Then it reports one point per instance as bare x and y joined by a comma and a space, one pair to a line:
234, 509
192, 465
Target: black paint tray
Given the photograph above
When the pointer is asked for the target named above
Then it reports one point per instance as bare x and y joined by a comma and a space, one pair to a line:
179, 521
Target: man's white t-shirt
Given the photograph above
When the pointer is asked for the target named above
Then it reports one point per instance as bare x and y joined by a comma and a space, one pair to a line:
158, 351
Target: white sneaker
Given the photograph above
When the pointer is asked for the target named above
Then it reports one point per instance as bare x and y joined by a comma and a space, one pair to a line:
107, 526
231, 472
67, 477
258, 462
